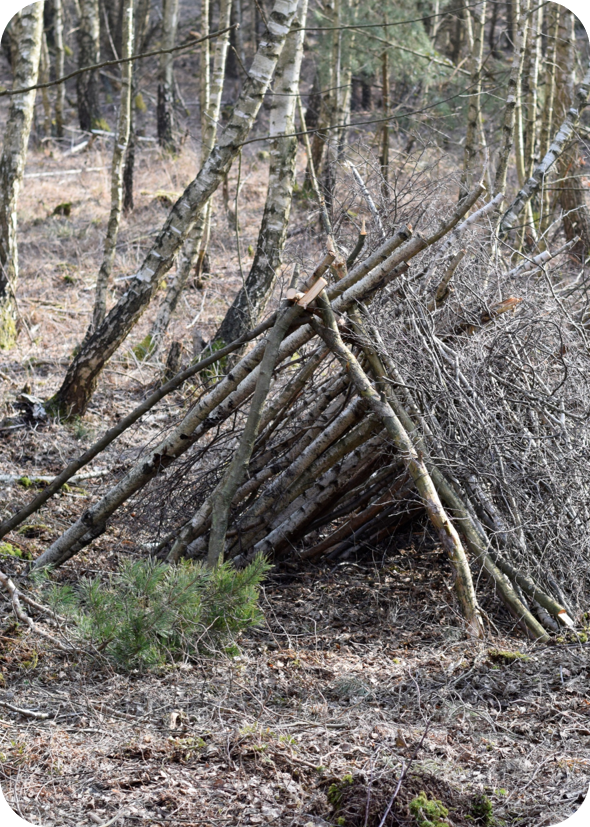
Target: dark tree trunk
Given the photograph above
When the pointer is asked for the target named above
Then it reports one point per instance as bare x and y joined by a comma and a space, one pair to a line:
88, 53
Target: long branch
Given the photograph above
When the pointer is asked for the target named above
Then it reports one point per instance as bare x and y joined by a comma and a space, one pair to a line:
9, 92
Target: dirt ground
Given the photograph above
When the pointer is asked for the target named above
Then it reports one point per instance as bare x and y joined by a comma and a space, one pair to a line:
361, 671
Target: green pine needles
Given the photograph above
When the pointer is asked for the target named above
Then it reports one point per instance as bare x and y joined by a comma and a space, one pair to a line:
152, 613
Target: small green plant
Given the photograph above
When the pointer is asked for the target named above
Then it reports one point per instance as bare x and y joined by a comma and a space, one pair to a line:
143, 349
80, 429
336, 790
481, 810
64, 209
151, 613
428, 812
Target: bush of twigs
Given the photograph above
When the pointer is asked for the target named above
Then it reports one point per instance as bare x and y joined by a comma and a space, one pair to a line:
150, 613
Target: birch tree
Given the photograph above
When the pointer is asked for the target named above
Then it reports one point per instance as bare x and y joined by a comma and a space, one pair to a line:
165, 109
572, 198
478, 16
195, 246
251, 299
58, 42
117, 165
509, 120
88, 54
80, 381
27, 32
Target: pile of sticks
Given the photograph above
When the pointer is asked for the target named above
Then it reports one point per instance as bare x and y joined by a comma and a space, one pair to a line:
314, 442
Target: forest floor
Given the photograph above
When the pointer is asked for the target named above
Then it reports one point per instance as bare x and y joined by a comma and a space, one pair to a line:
358, 669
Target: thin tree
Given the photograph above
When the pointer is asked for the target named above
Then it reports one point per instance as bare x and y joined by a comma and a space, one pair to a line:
58, 44
82, 375
27, 32
195, 247
251, 299
165, 109
572, 198
88, 54
117, 164
477, 14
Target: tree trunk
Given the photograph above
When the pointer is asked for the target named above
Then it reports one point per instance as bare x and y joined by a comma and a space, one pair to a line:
165, 109
60, 91
251, 300
75, 393
195, 246
27, 32
142, 19
576, 216
118, 160
509, 120
478, 16
88, 54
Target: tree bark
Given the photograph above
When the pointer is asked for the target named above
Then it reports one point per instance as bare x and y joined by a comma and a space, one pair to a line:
165, 108
560, 141
509, 119
27, 31
60, 91
251, 300
75, 393
117, 169
478, 15
196, 244
576, 215
88, 54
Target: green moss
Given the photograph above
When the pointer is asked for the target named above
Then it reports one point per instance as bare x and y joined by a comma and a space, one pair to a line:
8, 550
503, 656
481, 810
25, 482
142, 350
428, 812
140, 103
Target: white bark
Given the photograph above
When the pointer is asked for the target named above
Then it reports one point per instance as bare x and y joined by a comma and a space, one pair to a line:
165, 111
252, 298
194, 246
27, 31
118, 160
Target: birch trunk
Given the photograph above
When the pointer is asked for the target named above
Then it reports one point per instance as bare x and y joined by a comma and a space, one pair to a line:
563, 136
60, 91
478, 14
252, 298
142, 18
576, 216
165, 108
509, 120
195, 246
547, 119
81, 378
119, 151
88, 54
27, 32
